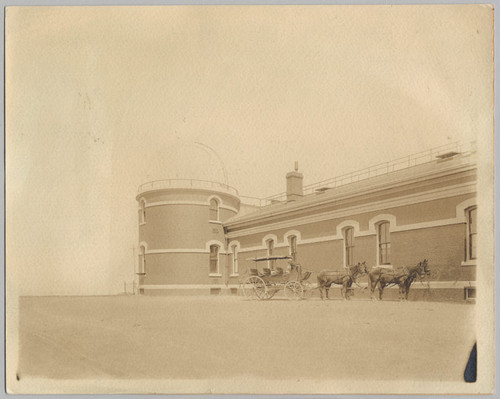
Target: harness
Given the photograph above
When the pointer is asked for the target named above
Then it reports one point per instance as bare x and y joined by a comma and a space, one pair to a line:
359, 286
354, 279
395, 276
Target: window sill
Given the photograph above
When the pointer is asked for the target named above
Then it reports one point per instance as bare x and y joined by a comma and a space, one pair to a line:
470, 262
142, 224
215, 275
215, 221
234, 275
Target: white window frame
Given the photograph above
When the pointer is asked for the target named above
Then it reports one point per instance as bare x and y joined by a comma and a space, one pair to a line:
234, 249
292, 239
216, 201
377, 229
469, 261
142, 259
142, 212
270, 252
344, 235
217, 272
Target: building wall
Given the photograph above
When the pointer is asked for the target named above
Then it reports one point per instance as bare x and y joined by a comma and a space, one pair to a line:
319, 256
434, 182
443, 247
365, 249
181, 268
177, 234
429, 230
180, 226
425, 211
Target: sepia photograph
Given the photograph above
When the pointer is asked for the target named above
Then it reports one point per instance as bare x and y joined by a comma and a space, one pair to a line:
249, 199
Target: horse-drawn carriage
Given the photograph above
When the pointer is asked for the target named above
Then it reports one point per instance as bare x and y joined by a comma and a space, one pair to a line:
265, 283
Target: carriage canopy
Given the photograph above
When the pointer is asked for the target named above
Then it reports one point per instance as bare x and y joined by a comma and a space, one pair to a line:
270, 258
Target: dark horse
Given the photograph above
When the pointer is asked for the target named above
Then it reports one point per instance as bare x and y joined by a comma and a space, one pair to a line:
422, 269
342, 277
403, 277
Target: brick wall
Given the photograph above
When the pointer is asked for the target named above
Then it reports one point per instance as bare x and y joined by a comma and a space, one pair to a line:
183, 268
442, 246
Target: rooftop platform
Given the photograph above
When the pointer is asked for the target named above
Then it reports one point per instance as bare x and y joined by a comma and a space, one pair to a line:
186, 183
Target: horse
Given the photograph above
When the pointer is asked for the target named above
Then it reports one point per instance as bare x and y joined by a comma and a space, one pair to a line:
342, 277
403, 277
421, 270
383, 277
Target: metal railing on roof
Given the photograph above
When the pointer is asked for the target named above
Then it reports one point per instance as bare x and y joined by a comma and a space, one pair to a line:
186, 183
384, 168
353, 177
253, 201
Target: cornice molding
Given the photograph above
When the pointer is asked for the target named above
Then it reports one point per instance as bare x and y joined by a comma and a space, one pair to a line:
365, 190
196, 203
383, 205
177, 251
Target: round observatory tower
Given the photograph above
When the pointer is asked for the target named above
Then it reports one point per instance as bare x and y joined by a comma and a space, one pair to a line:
181, 237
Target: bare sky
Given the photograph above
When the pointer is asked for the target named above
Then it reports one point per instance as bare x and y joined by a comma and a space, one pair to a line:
102, 99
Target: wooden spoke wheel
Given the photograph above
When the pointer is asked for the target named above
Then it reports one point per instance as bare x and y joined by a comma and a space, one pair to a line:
294, 290
255, 288
308, 289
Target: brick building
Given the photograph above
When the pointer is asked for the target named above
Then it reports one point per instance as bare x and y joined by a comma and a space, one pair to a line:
198, 236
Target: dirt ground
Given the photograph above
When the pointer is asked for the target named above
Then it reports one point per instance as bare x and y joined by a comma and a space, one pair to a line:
137, 337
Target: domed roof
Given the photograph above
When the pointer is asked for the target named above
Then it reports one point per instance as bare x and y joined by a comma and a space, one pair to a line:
180, 159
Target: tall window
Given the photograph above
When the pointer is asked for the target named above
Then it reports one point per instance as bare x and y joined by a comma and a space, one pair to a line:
214, 259
234, 259
384, 243
349, 246
292, 240
214, 209
142, 212
142, 260
270, 252
471, 251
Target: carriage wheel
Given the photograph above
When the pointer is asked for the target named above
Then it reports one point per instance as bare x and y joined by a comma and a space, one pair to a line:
293, 290
271, 291
308, 289
255, 288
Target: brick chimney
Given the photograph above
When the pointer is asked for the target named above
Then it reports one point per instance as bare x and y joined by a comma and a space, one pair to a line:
294, 179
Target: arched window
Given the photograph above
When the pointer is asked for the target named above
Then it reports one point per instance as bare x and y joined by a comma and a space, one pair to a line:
214, 259
142, 212
384, 243
471, 237
292, 242
270, 252
234, 259
349, 246
142, 260
214, 209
